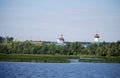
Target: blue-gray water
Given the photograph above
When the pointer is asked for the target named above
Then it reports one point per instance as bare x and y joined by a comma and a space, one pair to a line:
58, 70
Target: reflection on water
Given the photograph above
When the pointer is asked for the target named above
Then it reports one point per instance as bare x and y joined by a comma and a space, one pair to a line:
59, 70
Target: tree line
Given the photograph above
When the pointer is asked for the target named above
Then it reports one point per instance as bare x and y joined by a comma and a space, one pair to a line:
8, 46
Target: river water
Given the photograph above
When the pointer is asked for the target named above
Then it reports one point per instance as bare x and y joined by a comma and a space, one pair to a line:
59, 70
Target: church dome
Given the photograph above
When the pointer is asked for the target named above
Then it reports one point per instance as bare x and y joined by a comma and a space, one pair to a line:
97, 36
60, 39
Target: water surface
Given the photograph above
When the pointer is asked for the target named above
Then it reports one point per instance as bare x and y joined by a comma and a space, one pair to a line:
59, 70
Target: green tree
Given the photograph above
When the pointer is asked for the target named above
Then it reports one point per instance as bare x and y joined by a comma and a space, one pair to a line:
9, 39
1, 39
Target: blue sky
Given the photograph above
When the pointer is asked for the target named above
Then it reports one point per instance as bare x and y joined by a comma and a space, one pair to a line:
77, 20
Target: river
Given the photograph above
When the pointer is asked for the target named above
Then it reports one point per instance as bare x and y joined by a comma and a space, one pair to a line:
59, 70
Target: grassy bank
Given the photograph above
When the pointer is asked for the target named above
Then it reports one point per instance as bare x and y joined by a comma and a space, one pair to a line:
56, 58
101, 59
33, 58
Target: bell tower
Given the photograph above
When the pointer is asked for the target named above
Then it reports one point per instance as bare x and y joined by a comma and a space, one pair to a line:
96, 38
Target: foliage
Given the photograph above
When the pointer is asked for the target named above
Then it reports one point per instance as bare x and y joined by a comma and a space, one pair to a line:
71, 48
6, 39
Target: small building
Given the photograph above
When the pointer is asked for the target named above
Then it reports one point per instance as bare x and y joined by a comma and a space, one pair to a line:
85, 45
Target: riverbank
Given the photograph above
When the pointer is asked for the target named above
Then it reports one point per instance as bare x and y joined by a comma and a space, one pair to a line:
101, 60
33, 58
57, 58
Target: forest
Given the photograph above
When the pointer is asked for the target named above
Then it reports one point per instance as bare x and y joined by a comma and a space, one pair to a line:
9, 46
